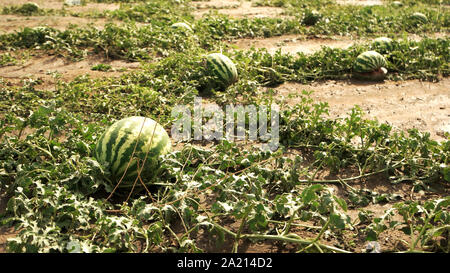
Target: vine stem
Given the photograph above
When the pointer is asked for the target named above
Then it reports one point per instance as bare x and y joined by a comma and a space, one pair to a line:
292, 240
352, 178
279, 238
422, 231
295, 224
241, 227
324, 228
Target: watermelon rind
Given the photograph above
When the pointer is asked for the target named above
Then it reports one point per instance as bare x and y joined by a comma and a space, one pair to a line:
115, 147
369, 61
374, 76
222, 69
419, 18
383, 44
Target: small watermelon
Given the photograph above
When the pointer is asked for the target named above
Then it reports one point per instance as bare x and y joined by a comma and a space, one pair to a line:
222, 69
418, 18
115, 148
181, 26
369, 65
383, 44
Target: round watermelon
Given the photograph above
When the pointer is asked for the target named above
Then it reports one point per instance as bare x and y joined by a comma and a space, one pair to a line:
383, 44
181, 26
222, 69
418, 18
142, 135
369, 65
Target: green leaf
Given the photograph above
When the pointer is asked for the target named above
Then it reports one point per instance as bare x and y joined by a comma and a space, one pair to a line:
337, 220
341, 202
309, 194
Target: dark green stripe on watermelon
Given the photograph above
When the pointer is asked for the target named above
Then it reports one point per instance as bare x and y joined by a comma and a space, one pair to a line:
128, 151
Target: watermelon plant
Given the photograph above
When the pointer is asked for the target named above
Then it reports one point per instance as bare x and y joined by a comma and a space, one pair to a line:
28, 8
66, 140
311, 17
130, 149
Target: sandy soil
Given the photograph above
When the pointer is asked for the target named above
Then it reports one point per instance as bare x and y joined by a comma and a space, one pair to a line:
437, 35
408, 104
11, 23
294, 43
42, 65
360, 2
236, 9
44, 4
93, 7
59, 4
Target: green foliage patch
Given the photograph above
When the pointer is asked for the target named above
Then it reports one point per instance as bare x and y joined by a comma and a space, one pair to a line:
60, 198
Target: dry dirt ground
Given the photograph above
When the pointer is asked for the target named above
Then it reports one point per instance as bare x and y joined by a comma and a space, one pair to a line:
294, 43
42, 66
59, 4
404, 104
236, 9
11, 23
360, 2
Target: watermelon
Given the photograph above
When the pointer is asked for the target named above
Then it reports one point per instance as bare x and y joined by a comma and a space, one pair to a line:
369, 65
181, 26
115, 148
397, 4
222, 69
418, 18
383, 44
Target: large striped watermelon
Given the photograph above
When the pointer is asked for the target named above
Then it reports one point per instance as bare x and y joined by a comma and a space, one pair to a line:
418, 18
383, 44
115, 148
222, 69
369, 65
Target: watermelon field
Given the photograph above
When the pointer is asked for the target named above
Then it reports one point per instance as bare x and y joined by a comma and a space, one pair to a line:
351, 156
